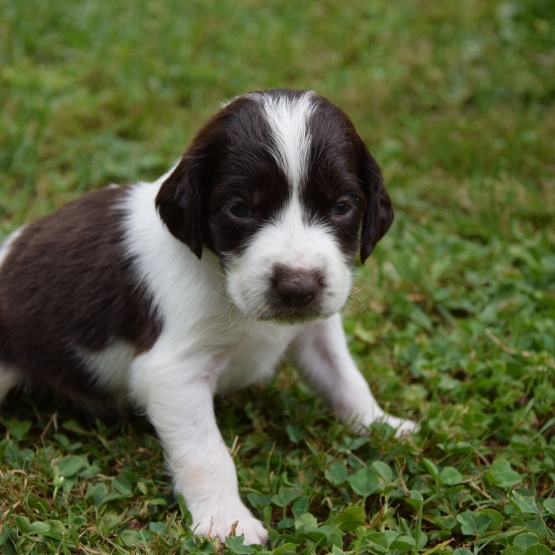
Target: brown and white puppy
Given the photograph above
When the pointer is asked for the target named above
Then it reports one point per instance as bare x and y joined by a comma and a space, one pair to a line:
166, 293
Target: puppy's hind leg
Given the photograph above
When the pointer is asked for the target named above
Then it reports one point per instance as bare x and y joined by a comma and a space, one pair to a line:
8, 380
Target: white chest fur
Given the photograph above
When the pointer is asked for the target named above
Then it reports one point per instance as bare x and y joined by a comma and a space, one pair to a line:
256, 355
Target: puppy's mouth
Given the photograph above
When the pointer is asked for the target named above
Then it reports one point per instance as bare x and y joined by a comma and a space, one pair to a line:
294, 316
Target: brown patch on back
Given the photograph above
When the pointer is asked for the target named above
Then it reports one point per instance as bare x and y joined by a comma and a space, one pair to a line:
67, 283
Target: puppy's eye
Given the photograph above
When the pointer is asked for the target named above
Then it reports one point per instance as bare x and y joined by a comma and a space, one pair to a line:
241, 210
340, 209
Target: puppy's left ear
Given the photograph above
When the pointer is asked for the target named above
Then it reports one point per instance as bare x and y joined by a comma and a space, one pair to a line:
379, 212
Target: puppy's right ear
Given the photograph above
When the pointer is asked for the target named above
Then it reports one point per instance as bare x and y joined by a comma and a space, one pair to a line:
183, 199
180, 204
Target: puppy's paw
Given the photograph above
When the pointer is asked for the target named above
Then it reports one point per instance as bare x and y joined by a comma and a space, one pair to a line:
232, 522
401, 426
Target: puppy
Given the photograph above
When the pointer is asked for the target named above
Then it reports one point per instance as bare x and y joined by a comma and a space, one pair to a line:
164, 294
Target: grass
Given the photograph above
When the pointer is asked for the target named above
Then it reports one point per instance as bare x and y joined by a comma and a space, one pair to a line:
452, 320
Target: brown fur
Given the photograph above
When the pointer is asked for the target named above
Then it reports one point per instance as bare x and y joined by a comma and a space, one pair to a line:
67, 282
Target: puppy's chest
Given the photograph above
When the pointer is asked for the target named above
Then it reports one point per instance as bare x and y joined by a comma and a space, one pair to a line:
250, 355
255, 356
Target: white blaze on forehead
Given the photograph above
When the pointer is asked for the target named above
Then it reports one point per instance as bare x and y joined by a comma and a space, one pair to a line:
288, 120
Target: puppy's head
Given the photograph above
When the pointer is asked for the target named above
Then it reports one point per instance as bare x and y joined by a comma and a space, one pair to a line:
281, 187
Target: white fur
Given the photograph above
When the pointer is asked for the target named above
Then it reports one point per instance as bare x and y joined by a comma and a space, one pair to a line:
288, 119
5, 246
109, 367
8, 376
321, 355
8, 380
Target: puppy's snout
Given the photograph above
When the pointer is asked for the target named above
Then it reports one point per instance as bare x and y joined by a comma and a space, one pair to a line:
298, 289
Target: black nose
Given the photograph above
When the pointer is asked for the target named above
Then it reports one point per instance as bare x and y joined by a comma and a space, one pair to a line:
298, 290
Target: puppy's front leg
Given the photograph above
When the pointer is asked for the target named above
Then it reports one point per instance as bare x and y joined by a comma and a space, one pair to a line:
322, 357
178, 398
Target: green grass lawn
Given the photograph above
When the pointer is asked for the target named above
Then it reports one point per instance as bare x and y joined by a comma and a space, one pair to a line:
452, 319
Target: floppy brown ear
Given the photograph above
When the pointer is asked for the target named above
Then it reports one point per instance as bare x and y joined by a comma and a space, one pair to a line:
379, 212
180, 205
183, 200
